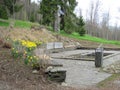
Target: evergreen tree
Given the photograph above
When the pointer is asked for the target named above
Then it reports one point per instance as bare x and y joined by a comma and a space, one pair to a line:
49, 7
66, 21
81, 30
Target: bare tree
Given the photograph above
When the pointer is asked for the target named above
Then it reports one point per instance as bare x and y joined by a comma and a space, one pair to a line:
91, 11
96, 11
105, 25
92, 22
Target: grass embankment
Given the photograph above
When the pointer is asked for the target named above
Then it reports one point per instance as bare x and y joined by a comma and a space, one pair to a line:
17, 23
26, 24
90, 38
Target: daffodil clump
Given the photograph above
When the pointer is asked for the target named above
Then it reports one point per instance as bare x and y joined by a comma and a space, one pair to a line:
24, 50
28, 44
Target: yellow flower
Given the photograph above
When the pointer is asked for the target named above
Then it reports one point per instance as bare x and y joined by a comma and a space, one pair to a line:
28, 44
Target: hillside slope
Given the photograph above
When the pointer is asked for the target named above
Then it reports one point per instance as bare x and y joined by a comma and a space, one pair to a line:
27, 34
42, 34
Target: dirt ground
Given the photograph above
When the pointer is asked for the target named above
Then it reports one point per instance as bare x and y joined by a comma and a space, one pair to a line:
15, 75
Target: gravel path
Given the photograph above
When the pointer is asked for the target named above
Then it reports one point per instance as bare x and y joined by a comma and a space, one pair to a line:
80, 73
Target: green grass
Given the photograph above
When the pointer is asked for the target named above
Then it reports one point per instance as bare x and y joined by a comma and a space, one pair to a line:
17, 23
22, 24
90, 38
2, 23
109, 79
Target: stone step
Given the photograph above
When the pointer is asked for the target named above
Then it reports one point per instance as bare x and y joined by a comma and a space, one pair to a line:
56, 74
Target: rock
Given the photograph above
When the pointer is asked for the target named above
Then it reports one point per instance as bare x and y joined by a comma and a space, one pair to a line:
49, 69
35, 72
64, 84
78, 45
105, 69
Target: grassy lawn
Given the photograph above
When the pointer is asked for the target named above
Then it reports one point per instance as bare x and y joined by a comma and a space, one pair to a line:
17, 23
90, 38
24, 24
2, 23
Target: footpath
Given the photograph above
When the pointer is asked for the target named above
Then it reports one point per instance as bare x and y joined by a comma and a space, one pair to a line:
82, 73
